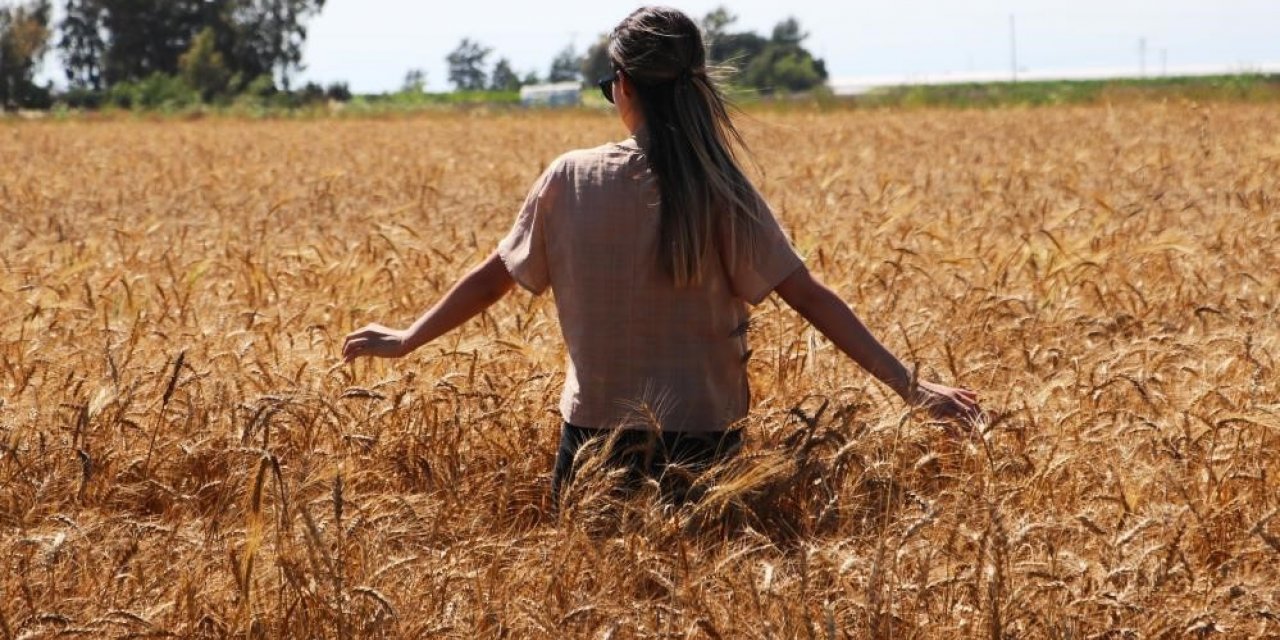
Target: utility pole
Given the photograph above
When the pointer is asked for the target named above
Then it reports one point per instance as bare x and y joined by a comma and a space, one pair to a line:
1013, 47
1142, 57
1164, 62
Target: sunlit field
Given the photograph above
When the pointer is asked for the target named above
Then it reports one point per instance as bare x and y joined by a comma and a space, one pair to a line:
182, 451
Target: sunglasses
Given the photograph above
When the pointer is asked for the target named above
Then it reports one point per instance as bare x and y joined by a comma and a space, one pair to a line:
606, 85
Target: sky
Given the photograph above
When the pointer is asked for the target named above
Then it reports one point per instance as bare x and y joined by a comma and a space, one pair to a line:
371, 44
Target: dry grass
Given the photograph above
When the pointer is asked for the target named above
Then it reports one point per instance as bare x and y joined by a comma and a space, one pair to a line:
181, 453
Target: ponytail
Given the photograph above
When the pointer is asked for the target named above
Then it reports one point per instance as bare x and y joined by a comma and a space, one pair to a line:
707, 202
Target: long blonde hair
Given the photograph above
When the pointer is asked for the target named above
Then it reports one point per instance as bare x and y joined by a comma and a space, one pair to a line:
707, 202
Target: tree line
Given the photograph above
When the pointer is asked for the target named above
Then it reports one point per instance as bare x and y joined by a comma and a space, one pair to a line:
777, 63
145, 52
153, 53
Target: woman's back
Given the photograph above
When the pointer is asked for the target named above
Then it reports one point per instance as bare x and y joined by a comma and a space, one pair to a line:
639, 346
653, 247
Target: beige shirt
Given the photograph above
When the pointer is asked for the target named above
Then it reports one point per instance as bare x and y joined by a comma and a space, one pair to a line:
638, 345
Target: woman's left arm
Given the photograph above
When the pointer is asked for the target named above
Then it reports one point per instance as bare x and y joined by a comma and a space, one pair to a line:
484, 285
830, 315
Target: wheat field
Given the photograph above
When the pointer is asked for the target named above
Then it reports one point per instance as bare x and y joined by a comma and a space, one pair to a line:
182, 452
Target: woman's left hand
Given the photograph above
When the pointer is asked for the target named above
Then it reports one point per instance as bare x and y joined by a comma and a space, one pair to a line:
377, 341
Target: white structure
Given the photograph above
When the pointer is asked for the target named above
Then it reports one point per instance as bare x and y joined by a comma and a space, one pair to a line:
558, 94
852, 86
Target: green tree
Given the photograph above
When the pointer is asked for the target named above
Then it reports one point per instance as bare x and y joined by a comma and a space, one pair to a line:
24, 38
415, 81
788, 33
728, 48
104, 42
338, 92
777, 63
82, 43
157, 91
504, 78
595, 62
780, 68
716, 24
784, 64
145, 37
566, 67
270, 34
466, 66
203, 66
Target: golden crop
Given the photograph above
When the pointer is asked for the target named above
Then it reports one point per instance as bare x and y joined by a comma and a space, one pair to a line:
182, 453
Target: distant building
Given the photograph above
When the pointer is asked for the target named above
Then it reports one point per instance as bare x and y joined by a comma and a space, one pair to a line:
558, 94
858, 85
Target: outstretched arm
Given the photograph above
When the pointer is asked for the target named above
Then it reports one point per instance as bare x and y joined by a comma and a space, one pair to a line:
826, 311
475, 292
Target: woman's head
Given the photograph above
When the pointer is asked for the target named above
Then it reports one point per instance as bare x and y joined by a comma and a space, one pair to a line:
706, 198
655, 45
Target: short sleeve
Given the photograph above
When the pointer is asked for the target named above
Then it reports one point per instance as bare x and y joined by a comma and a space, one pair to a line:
756, 272
524, 250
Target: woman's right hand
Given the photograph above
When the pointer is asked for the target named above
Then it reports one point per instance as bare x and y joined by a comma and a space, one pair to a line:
945, 403
377, 341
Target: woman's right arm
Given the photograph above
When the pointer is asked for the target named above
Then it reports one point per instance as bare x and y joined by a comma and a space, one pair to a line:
818, 304
487, 283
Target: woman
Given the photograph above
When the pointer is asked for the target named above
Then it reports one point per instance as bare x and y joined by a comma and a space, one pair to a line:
653, 246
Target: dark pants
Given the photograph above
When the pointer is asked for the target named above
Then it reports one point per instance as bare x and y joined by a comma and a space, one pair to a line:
646, 454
